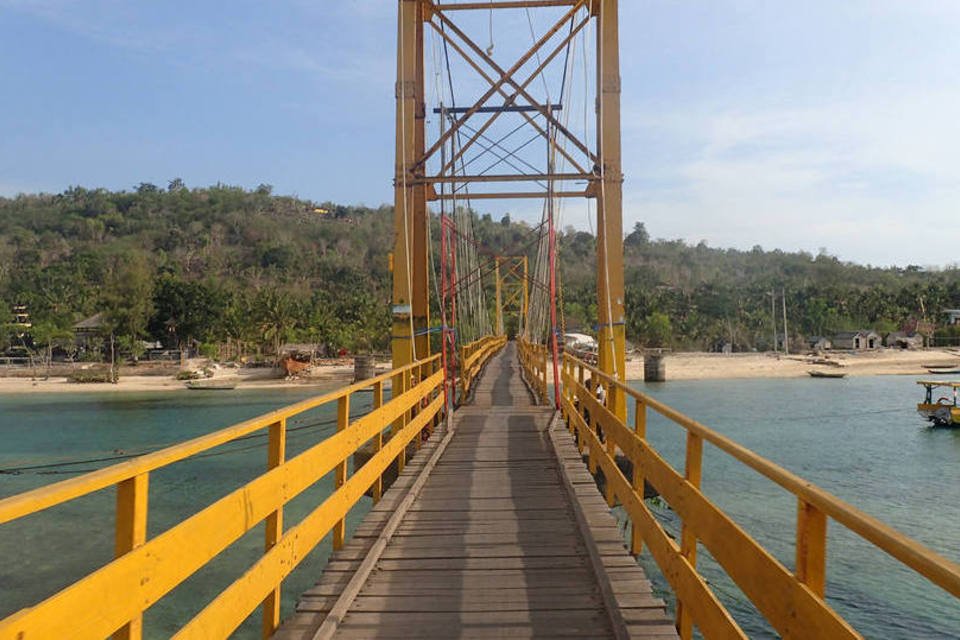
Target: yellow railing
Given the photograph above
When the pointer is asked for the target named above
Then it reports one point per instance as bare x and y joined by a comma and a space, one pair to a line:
792, 601
473, 356
533, 360
112, 599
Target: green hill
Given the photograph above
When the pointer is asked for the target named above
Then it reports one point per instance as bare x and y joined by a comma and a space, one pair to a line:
224, 266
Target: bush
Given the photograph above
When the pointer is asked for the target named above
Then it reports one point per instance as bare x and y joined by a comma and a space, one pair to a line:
84, 377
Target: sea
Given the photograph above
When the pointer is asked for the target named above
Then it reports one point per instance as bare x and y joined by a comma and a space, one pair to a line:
859, 438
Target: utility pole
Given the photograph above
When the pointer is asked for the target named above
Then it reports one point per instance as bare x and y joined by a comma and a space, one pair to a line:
786, 339
773, 318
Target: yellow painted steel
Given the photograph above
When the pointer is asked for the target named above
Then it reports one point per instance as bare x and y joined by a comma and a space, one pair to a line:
512, 289
533, 361
114, 597
792, 601
611, 336
410, 339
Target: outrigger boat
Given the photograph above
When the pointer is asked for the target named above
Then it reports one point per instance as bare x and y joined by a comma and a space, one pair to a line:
211, 385
816, 373
944, 411
943, 371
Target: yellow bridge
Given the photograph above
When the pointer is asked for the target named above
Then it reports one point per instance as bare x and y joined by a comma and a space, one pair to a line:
494, 526
482, 455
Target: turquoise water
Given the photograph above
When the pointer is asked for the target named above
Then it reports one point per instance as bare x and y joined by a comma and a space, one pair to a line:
858, 438
47, 551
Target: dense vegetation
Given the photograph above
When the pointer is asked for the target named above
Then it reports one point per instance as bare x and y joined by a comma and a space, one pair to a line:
235, 271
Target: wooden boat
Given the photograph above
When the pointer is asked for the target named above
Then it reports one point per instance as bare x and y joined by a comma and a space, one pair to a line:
935, 365
942, 371
211, 385
942, 412
813, 373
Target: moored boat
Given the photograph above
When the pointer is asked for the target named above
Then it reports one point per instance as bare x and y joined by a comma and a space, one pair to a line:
211, 385
814, 373
944, 411
944, 371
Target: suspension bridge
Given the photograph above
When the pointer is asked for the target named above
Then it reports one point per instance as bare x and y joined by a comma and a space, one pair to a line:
492, 458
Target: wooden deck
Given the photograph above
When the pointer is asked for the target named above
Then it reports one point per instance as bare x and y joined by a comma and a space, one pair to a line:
495, 529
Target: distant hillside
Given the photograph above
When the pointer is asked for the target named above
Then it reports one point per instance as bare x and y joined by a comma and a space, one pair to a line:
222, 265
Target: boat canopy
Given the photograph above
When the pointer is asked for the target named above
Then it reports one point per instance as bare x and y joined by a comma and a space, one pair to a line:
931, 384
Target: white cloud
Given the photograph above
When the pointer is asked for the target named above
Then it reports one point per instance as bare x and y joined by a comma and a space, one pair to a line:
859, 176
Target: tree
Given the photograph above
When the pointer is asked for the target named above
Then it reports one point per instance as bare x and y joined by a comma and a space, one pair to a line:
638, 237
277, 312
657, 330
127, 300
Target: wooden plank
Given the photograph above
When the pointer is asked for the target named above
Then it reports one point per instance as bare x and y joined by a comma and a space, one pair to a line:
491, 547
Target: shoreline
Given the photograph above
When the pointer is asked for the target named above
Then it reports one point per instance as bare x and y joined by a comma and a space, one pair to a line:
329, 377
714, 366
679, 366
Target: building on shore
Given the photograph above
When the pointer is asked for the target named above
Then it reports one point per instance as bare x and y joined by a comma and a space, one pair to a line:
819, 343
857, 340
903, 340
952, 316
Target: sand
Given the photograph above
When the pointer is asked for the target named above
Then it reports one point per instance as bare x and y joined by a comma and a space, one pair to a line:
679, 366
705, 366
322, 378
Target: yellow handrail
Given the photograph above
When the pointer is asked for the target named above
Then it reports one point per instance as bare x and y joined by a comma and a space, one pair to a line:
792, 601
533, 360
113, 598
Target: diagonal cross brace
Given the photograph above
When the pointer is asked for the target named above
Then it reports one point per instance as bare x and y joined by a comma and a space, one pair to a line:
506, 77
483, 74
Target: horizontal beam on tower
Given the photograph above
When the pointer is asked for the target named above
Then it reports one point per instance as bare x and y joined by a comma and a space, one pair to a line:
509, 108
504, 4
517, 194
511, 177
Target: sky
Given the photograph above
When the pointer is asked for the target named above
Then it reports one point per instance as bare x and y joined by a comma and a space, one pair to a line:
807, 126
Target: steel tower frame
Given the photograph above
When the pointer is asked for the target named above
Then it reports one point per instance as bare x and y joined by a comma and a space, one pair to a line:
414, 187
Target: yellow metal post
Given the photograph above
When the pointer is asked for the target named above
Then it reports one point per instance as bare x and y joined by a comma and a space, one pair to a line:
343, 421
640, 428
688, 539
421, 248
131, 532
378, 440
812, 547
499, 301
410, 305
611, 336
526, 292
276, 454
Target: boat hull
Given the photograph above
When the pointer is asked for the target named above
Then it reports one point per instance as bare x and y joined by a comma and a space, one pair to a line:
206, 385
940, 415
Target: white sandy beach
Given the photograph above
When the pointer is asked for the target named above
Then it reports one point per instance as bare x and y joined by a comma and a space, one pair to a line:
703, 366
679, 366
